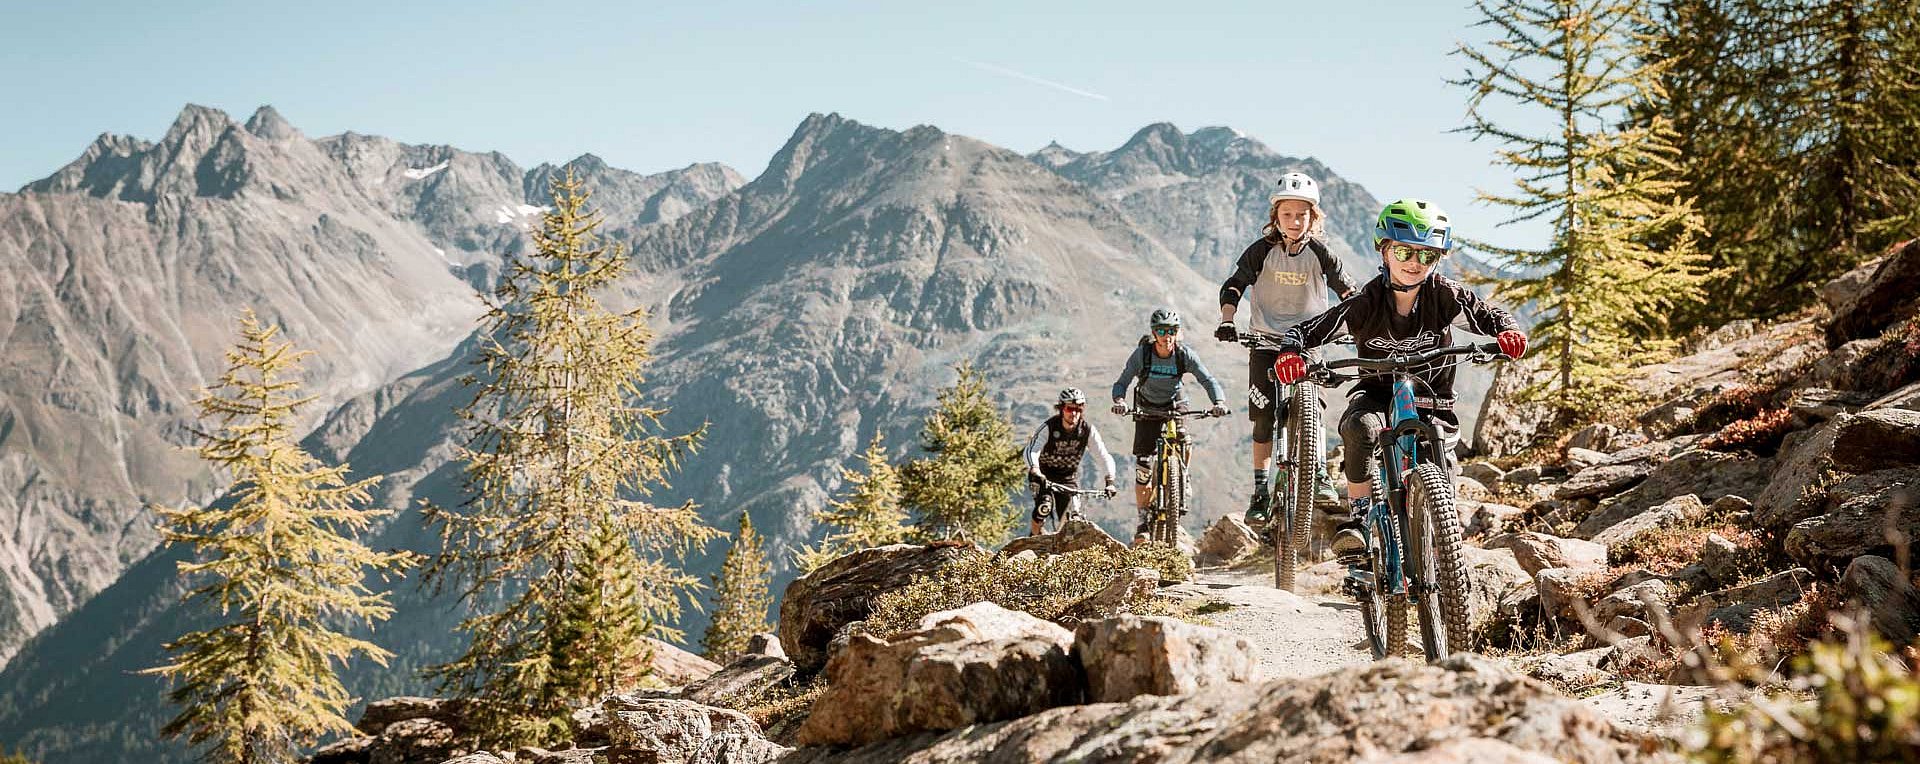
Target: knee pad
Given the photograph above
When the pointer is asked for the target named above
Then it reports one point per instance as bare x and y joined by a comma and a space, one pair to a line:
1143, 470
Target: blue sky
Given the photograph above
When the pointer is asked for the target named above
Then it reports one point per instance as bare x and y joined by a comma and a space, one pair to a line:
653, 86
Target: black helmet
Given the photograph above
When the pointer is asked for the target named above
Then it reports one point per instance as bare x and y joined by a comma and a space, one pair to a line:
1072, 395
1165, 317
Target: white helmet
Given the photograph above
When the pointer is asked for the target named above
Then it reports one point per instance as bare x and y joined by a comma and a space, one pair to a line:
1297, 185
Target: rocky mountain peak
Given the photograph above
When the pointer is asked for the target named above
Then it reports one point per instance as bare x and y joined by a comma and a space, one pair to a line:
1054, 155
267, 123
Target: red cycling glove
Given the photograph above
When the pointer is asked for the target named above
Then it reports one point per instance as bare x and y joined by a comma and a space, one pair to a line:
1513, 343
1289, 368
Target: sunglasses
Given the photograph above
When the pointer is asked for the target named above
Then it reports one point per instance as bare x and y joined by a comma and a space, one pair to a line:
1074, 409
1165, 331
1404, 252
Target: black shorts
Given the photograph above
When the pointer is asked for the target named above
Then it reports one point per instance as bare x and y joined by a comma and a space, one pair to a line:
1146, 435
1365, 418
1266, 397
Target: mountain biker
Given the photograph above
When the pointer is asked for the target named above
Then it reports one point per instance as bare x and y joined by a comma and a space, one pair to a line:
1054, 451
1282, 287
1408, 308
1157, 364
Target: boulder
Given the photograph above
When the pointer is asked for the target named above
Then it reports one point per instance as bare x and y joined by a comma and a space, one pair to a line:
1677, 510
1375, 709
1813, 405
674, 666
1523, 476
1867, 514
1536, 552
1877, 439
1734, 607
1484, 472
1892, 604
1885, 298
1556, 588
1490, 519
1131, 586
1603, 481
348, 750
1707, 475
1508, 423
1579, 459
1721, 559
595, 755
591, 725
1128, 656
672, 731
1471, 490
842, 591
1633, 602
380, 713
1845, 287
1596, 437
981, 663
1654, 452
1073, 536
1492, 576
415, 741
1795, 490
1907, 397
481, 757
1563, 672
1228, 540
765, 643
748, 676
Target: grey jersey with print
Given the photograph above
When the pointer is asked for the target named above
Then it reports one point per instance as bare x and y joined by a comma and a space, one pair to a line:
1284, 288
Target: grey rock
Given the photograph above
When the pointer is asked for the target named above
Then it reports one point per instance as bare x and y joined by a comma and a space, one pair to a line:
1877, 439
1720, 558
1813, 405
1596, 437
765, 643
348, 750
1734, 607
1133, 585
379, 714
981, 663
1847, 286
412, 741
1524, 475
1128, 656
1492, 577
1707, 475
1073, 536
1863, 514
1489, 519
1228, 540
1892, 605
1885, 298
1602, 481
748, 676
1484, 472
1677, 510
685, 732
674, 666
481, 757
840, 592
1579, 459
1471, 490
1536, 552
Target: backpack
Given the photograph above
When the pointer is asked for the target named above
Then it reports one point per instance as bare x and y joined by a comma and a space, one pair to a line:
1146, 362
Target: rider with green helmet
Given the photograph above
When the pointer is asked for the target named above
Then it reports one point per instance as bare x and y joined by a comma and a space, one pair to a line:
1407, 309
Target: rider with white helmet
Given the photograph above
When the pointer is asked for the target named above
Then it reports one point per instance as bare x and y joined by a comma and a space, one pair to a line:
1054, 454
1284, 278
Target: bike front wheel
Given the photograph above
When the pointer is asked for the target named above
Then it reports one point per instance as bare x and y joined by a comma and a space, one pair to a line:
1173, 496
1303, 422
1433, 553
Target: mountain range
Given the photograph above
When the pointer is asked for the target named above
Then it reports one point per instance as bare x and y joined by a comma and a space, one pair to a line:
799, 315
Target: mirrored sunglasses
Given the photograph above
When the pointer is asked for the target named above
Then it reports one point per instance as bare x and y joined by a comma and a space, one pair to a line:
1403, 253
1165, 331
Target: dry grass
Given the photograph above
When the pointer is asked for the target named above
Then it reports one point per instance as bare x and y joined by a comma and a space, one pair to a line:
1047, 587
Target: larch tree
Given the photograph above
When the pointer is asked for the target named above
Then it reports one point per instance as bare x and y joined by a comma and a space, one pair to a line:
563, 561
276, 565
740, 596
1623, 251
867, 514
963, 486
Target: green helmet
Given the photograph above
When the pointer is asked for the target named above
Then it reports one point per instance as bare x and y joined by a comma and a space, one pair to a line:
1414, 221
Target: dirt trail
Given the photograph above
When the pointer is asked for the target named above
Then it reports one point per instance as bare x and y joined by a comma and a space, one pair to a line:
1293, 635
1318, 631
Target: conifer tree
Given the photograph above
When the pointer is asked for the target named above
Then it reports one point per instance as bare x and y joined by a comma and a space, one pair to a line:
1622, 253
277, 568
741, 599
558, 552
1795, 119
868, 514
964, 485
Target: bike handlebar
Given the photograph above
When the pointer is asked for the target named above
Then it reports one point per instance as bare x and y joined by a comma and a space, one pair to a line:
1062, 488
1180, 414
1481, 352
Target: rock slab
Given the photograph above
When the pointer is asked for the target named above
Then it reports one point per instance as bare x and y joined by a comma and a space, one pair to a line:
1128, 656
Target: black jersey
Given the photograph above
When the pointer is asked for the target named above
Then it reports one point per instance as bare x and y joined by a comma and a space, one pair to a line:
1378, 331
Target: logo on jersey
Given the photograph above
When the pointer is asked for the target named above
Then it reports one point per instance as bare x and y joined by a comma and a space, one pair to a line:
1421, 341
1290, 278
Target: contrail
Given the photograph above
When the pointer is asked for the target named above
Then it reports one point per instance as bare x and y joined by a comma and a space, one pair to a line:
1032, 79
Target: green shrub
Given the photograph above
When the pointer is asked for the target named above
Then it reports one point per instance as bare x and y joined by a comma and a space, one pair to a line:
1864, 706
1046, 587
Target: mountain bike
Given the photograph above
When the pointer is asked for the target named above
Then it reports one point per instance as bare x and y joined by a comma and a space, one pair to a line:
1422, 568
1051, 520
1171, 489
1297, 448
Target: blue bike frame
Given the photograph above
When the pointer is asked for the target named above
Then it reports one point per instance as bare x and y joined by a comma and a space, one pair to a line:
1391, 504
